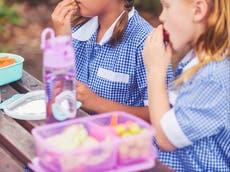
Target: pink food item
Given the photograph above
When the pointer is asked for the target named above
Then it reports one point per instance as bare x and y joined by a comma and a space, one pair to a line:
165, 35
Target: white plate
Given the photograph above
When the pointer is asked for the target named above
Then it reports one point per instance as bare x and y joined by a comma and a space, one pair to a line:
29, 106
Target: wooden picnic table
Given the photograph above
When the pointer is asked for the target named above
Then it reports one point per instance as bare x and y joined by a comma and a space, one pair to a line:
16, 142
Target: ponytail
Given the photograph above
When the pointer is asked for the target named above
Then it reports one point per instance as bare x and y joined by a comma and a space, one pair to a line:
121, 24
77, 20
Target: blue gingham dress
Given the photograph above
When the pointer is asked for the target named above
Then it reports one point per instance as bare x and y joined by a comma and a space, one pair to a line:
202, 112
115, 73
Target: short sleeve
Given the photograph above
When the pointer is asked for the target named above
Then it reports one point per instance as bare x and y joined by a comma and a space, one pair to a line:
201, 108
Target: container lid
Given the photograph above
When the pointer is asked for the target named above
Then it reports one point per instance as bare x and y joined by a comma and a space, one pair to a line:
58, 51
29, 106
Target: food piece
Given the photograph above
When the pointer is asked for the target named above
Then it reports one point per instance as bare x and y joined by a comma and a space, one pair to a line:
76, 132
61, 143
144, 131
114, 120
90, 141
120, 129
70, 138
74, 4
126, 134
134, 129
166, 36
6, 61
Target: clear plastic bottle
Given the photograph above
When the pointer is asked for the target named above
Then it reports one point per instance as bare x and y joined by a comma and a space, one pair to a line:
58, 76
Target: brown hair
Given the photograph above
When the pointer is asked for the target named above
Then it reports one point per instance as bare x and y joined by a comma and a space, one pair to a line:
120, 26
214, 44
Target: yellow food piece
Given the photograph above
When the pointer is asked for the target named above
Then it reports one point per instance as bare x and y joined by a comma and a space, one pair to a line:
144, 131
125, 134
74, 4
120, 129
134, 129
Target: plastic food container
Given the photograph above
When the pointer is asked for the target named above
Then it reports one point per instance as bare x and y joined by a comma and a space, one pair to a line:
29, 106
12, 72
132, 148
107, 155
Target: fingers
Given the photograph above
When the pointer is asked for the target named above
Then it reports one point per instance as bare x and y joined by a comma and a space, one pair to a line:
81, 88
79, 83
63, 9
68, 17
80, 91
159, 34
66, 12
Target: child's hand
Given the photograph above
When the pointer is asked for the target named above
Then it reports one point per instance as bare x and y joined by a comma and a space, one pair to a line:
156, 54
62, 16
86, 96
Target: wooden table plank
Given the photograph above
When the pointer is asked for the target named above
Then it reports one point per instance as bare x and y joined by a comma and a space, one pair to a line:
16, 139
27, 83
8, 163
6, 92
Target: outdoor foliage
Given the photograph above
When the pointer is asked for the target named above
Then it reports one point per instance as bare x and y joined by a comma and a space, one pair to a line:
150, 5
8, 17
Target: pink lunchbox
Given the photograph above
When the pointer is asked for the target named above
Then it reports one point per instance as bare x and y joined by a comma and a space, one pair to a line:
130, 153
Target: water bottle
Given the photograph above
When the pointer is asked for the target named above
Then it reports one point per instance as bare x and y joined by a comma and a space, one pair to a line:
58, 76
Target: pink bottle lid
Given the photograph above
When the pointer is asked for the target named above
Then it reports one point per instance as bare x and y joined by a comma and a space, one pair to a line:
57, 51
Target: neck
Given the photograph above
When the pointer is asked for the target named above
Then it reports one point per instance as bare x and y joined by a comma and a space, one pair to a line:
109, 16
178, 56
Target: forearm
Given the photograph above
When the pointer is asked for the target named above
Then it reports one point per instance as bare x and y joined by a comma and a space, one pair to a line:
105, 105
158, 106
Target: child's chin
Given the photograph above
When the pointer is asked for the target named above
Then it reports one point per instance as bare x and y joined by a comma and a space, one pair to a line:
177, 46
85, 14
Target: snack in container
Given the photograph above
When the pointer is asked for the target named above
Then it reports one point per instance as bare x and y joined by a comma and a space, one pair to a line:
134, 137
11, 68
68, 146
114, 142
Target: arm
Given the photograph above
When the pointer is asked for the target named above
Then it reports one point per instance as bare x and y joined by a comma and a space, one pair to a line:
157, 58
201, 107
91, 102
158, 106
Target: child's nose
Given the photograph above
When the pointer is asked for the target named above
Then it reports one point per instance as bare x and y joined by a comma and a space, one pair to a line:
162, 16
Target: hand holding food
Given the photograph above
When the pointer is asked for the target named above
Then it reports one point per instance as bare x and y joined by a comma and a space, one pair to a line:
62, 16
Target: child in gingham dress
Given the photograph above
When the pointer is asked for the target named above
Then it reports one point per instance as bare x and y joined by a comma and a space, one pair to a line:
108, 47
192, 113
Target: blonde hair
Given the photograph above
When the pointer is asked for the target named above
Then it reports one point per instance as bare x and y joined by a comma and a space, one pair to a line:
214, 44
120, 26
